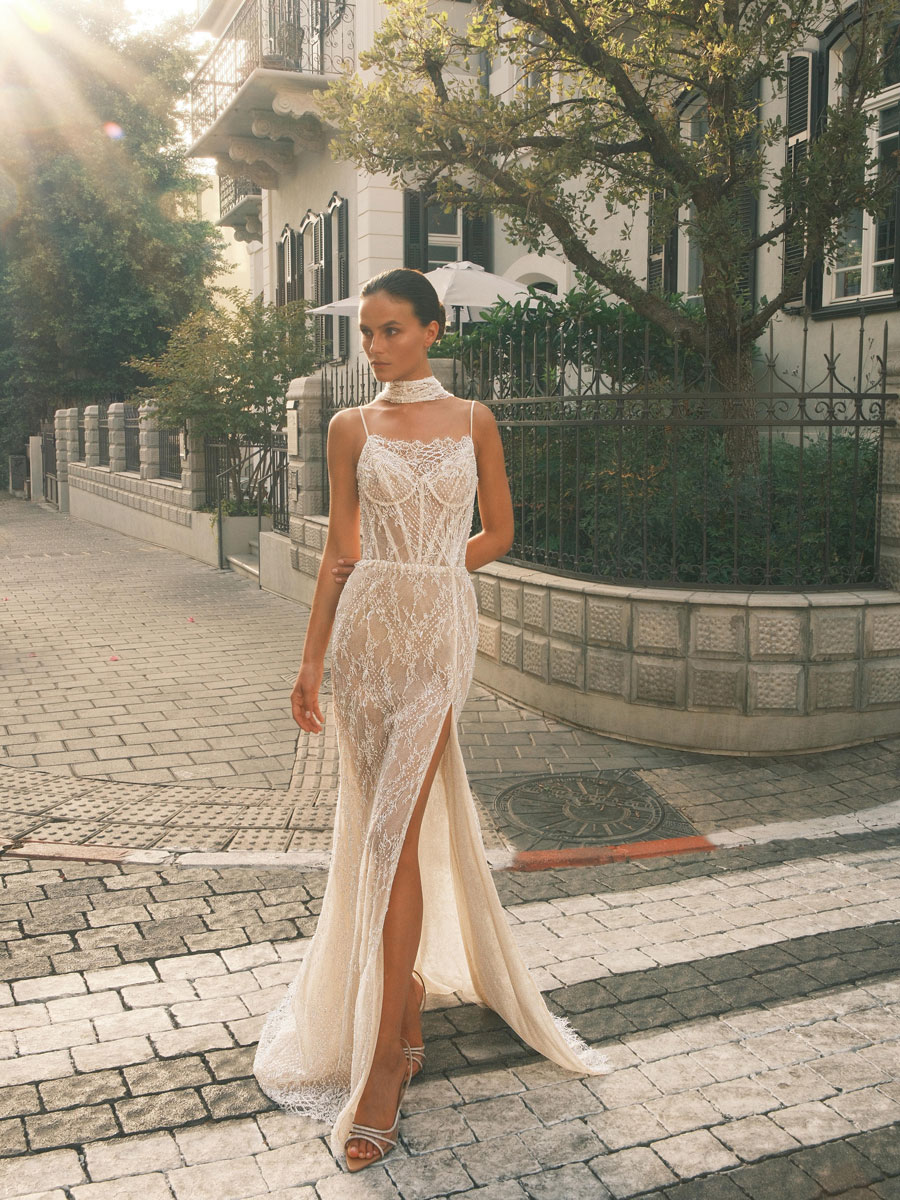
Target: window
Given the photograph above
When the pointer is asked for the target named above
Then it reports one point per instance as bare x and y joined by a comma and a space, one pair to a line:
432, 237
864, 266
289, 264
799, 131
695, 127
674, 262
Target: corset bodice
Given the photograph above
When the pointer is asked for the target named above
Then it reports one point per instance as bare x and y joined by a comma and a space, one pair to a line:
416, 499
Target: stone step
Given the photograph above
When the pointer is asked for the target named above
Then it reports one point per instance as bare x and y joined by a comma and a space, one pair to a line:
245, 564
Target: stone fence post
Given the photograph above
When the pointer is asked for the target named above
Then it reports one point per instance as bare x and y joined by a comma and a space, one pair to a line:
65, 422
149, 437
193, 470
306, 446
116, 417
92, 435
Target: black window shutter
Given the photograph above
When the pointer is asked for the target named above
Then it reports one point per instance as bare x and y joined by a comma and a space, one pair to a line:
415, 252
662, 251
297, 253
343, 281
799, 131
323, 228
280, 282
476, 239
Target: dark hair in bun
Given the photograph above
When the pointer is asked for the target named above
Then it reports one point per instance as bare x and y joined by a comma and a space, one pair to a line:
409, 284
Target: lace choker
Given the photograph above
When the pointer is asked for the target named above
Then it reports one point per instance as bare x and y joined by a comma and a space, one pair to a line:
407, 391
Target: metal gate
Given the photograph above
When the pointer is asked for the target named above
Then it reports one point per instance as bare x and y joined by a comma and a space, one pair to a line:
48, 454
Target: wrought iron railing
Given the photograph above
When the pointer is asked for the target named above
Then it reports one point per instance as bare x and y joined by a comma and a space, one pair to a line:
629, 462
169, 453
236, 470
313, 37
102, 435
132, 438
48, 464
232, 191
81, 438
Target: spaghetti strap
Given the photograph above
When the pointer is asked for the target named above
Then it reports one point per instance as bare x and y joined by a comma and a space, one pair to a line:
471, 412
365, 426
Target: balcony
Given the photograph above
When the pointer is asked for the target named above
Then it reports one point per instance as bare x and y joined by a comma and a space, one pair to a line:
272, 49
240, 203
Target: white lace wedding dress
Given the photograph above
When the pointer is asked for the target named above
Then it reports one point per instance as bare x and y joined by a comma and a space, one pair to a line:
403, 651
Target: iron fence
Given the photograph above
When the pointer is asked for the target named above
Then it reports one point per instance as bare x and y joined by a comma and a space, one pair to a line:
102, 435
132, 438
314, 37
48, 464
169, 453
239, 471
81, 440
630, 463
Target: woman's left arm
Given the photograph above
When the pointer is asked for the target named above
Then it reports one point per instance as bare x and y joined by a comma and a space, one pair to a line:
495, 506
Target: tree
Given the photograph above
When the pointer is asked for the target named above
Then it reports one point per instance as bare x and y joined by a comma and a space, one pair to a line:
101, 248
225, 372
595, 119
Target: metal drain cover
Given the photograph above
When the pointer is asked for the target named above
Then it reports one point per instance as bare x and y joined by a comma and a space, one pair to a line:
585, 808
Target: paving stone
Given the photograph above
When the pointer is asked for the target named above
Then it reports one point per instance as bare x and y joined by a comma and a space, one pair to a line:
684, 1112
775, 1177
233, 1179
881, 1147
575, 1182
631, 1172
69, 1127
813, 1122
836, 1167
165, 1111
221, 1140
39, 1172
138, 1187
571, 1142
12, 1137
695, 1153
492, 1118
378, 1186
166, 1076
293, 1166
428, 1175
19, 1100
436, 1129
755, 1137
234, 1099
131, 1155
79, 1090
120, 1053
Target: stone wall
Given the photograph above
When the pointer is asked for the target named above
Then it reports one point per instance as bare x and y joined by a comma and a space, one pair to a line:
738, 671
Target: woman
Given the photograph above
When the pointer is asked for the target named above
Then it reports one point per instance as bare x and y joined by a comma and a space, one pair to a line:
410, 902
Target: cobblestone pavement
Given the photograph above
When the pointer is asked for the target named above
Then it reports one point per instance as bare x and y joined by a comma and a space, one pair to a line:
749, 1002
145, 704
748, 998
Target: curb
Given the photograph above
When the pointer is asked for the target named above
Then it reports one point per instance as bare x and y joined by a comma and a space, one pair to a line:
317, 860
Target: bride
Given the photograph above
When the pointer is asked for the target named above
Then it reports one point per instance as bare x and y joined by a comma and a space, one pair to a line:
410, 902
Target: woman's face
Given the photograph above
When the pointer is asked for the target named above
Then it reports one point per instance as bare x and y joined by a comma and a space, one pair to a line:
394, 339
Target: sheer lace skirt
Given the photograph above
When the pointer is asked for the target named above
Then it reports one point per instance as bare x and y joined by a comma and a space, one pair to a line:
404, 643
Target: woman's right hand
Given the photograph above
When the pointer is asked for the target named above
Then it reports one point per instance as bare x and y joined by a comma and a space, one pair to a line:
305, 699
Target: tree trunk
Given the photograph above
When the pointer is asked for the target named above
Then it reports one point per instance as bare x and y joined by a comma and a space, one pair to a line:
733, 378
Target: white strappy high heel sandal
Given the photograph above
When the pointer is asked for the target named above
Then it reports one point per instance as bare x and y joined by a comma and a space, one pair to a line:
366, 1133
416, 1054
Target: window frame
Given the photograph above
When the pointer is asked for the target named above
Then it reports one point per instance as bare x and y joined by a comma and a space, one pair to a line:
828, 302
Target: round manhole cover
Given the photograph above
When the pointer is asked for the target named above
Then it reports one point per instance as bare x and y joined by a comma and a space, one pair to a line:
586, 808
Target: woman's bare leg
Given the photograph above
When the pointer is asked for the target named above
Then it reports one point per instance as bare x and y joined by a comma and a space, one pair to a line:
402, 933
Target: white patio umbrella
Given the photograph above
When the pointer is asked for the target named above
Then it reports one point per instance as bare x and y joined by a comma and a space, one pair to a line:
468, 285
462, 285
